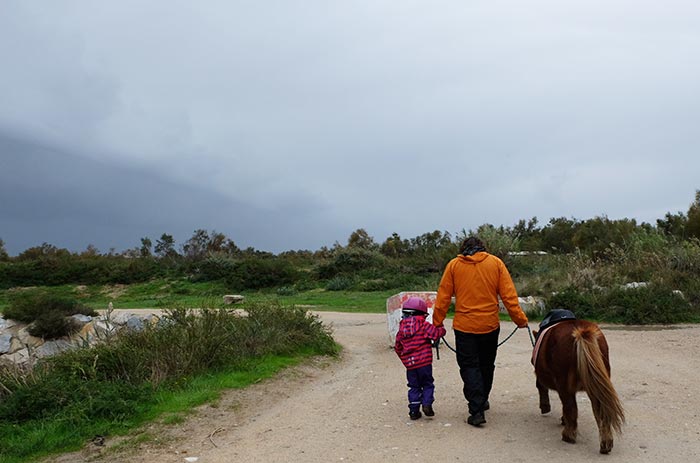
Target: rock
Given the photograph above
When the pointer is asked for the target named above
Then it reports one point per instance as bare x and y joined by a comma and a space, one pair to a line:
635, 285
50, 348
81, 319
18, 358
6, 323
135, 323
27, 339
233, 298
5, 343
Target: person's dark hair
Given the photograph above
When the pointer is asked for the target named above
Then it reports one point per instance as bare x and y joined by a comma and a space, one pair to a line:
471, 246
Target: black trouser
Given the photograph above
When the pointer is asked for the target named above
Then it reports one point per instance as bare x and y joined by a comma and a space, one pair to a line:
476, 357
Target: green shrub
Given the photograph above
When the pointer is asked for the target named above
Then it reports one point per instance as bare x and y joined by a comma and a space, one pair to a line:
46, 313
262, 273
52, 325
650, 304
352, 260
340, 283
583, 304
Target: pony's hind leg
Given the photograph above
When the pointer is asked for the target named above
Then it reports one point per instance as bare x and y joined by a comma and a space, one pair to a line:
545, 406
570, 415
604, 428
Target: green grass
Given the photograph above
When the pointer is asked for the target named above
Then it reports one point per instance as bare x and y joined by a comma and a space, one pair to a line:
38, 438
164, 293
339, 301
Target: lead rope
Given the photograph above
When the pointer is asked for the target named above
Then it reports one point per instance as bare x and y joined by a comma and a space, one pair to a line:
529, 332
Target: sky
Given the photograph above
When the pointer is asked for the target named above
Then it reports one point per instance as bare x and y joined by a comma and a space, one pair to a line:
288, 124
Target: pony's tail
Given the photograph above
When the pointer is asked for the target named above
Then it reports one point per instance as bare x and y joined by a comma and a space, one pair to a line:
595, 378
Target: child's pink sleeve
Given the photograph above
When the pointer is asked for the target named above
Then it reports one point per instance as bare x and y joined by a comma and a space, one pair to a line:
434, 332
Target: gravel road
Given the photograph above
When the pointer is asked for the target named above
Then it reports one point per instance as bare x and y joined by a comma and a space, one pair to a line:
355, 409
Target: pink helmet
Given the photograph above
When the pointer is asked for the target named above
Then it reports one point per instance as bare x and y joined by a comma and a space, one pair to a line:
415, 304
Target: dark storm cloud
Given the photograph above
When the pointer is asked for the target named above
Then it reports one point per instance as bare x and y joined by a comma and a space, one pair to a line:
71, 201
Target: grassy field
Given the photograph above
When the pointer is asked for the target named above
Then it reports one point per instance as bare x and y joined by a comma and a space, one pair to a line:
163, 293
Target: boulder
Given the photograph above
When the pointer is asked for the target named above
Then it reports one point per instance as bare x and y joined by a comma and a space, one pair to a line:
27, 339
135, 323
81, 319
5, 343
233, 298
18, 358
54, 347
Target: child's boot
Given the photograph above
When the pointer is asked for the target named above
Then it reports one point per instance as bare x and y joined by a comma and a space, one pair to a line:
414, 414
428, 410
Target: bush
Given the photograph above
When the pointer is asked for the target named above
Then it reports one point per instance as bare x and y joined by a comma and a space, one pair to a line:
52, 325
262, 273
113, 380
45, 312
352, 260
340, 283
651, 304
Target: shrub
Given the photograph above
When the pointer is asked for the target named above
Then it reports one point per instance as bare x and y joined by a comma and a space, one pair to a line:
46, 311
651, 304
52, 325
351, 260
340, 283
261, 273
583, 304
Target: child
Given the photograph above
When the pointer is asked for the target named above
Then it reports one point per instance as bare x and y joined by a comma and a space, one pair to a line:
414, 349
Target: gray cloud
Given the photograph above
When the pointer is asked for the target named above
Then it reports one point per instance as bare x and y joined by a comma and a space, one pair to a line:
393, 117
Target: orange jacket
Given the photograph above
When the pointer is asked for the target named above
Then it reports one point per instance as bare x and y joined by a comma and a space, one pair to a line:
476, 281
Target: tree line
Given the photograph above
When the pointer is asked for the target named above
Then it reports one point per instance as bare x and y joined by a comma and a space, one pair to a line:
211, 255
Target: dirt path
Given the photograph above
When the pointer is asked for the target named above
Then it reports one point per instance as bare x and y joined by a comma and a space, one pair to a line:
355, 409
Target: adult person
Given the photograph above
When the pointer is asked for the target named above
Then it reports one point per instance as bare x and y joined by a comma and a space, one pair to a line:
476, 279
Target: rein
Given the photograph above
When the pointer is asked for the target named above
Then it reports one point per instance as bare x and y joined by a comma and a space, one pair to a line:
529, 332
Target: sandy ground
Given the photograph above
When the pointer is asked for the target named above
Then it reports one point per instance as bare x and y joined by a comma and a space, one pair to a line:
355, 409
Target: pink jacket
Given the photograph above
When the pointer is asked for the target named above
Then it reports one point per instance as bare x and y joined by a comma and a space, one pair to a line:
413, 341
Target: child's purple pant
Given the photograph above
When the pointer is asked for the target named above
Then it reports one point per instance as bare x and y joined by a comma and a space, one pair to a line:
421, 387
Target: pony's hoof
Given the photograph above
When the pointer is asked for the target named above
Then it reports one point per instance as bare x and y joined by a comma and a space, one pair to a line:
544, 409
569, 439
606, 447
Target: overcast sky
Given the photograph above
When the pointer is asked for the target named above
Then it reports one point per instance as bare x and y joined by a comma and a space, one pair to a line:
289, 124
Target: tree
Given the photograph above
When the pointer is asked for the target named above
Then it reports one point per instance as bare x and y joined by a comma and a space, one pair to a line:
558, 233
202, 243
196, 246
361, 239
165, 246
3, 252
673, 224
145, 249
43, 251
90, 251
693, 227
394, 246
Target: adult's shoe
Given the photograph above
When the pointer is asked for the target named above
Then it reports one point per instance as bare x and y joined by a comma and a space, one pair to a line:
476, 420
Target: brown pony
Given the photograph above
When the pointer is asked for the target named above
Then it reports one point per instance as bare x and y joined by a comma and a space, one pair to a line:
573, 356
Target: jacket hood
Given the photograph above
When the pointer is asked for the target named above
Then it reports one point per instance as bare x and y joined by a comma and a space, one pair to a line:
474, 258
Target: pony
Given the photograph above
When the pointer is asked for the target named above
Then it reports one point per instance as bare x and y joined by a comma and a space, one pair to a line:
572, 356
